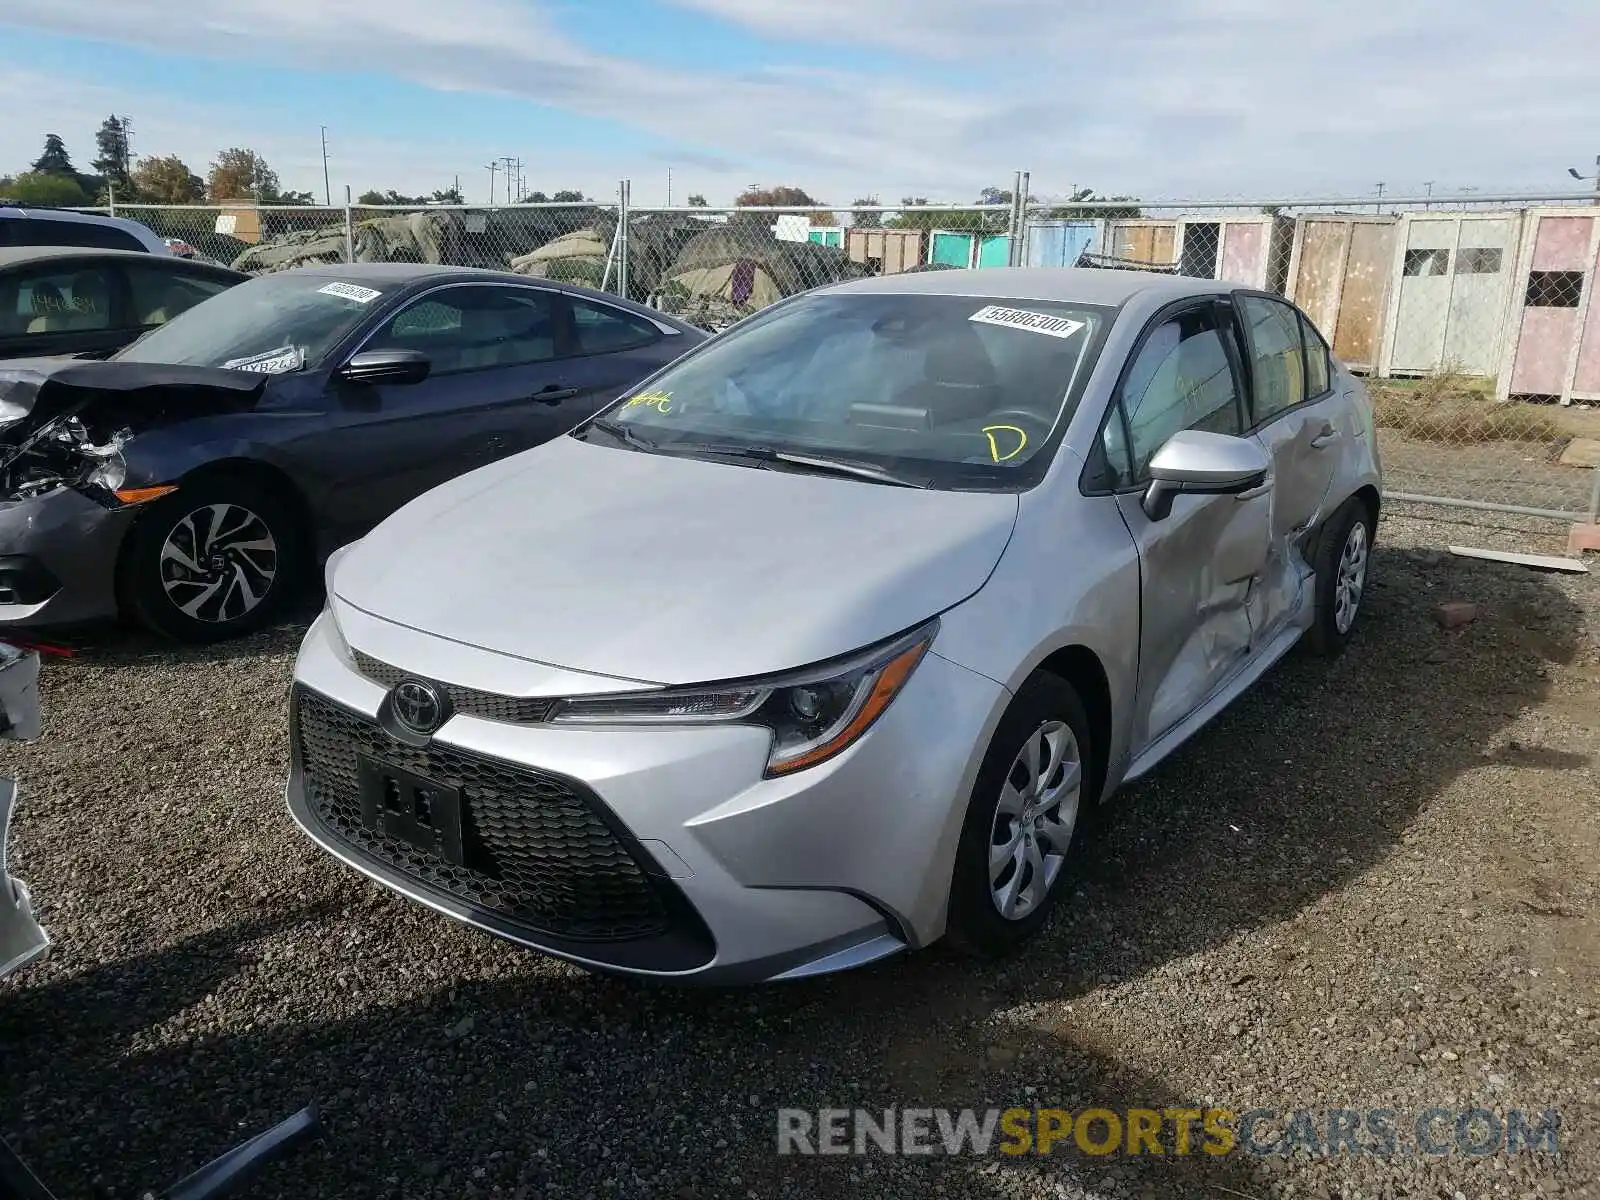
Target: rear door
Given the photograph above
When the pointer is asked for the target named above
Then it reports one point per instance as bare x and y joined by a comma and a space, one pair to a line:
1300, 422
612, 349
1200, 564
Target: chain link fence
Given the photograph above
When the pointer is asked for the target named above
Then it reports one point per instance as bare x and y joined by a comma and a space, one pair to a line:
1471, 317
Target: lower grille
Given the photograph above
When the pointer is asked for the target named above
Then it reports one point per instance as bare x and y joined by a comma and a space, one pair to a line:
538, 854
491, 706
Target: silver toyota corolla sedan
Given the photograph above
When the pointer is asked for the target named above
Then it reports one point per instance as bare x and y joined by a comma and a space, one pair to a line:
819, 645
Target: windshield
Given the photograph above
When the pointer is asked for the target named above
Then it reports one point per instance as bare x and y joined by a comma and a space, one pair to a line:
949, 391
272, 323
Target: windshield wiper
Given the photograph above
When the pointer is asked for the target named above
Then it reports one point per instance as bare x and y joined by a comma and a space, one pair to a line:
621, 432
821, 464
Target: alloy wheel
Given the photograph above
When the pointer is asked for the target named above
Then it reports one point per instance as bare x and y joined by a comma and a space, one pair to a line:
1352, 577
218, 563
1034, 820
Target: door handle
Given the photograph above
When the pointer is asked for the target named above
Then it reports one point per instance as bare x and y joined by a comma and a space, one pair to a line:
1327, 437
1259, 490
554, 394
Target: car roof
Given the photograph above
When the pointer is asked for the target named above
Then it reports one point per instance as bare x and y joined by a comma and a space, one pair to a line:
1067, 285
12, 256
24, 212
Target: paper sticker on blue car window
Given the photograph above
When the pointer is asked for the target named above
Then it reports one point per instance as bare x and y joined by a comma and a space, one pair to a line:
273, 362
1025, 318
350, 291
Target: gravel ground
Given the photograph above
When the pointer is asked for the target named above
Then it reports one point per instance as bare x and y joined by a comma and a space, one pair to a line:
1371, 883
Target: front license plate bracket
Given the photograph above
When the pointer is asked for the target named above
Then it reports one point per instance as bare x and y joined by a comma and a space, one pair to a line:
411, 808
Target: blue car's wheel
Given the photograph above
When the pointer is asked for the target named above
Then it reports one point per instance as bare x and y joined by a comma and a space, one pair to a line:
214, 560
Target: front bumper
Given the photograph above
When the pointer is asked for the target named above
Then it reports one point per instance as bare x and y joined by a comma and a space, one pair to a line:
58, 559
654, 852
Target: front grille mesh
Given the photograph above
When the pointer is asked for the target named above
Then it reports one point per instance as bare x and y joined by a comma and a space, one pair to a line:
517, 710
537, 852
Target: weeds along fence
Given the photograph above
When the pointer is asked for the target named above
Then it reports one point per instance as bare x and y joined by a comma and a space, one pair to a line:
1472, 318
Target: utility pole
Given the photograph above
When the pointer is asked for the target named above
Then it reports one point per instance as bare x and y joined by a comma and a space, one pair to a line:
1380, 198
1573, 171
669, 187
493, 167
510, 162
1428, 203
327, 188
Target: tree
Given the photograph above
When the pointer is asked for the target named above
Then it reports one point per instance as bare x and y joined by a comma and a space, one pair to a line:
537, 198
697, 201
115, 163
959, 220
240, 174
304, 198
782, 196
449, 195
167, 179
1129, 207
867, 220
567, 197
46, 189
55, 160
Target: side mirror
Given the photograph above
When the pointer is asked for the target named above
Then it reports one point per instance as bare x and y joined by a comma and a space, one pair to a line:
1193, 462
386, 366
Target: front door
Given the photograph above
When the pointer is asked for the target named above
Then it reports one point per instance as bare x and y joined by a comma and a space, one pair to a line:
495, 350
1200, 563
1298, 419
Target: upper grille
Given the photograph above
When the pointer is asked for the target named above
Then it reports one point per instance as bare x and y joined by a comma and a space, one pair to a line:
519, 710
537, 852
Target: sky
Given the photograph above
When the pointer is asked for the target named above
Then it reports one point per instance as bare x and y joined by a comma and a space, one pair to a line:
1162, 99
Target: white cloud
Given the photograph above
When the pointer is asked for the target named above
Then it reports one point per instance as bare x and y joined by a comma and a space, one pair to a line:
1219, 97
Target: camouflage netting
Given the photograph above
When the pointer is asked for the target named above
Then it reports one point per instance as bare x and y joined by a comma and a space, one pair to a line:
583, 256
494, 240
725, 274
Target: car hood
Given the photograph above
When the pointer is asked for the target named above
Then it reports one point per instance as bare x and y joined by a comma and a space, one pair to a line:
670, 570
141, 395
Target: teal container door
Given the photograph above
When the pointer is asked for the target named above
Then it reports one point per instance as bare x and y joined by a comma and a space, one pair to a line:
952, 249
995, 251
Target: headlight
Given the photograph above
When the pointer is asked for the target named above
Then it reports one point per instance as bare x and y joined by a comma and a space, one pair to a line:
812, 715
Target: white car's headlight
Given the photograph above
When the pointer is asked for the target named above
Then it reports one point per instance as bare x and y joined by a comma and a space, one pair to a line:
813, 714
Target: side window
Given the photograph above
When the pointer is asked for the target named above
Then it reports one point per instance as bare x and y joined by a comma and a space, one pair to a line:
1277, 368
475, 328
602, 329
1318, 373
160, 295
43, 231
1181, 379
59, 301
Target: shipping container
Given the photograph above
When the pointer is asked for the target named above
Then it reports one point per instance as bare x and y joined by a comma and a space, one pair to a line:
952, 249
1143, 240
1253, 251
1450, 288
1339, 267
887, 251
1553, 347
1059, 242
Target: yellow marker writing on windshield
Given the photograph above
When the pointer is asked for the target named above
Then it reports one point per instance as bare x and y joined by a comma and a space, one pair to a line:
660, 401
994, 446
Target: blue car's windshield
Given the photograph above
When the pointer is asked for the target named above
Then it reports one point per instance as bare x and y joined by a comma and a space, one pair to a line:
941, 387
272, 324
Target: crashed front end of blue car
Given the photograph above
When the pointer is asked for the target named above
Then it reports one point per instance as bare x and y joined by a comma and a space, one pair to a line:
22, 939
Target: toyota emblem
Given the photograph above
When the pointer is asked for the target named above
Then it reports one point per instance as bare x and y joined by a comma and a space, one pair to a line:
417, 705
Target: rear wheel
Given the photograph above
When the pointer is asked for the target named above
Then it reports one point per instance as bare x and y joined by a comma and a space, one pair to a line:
1023, 818
216, 559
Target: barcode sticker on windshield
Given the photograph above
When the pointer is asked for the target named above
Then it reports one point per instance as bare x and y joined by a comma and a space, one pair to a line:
350, 291
1022, 318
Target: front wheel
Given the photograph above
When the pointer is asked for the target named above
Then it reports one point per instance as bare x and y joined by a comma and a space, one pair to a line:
1341, 573
1032, 792
214, 560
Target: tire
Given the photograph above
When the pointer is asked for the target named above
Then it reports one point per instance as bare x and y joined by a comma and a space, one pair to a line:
259, 555
1045, 707
1343, 569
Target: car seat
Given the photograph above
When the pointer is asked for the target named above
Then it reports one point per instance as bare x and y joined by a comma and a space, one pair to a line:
959, 380
50, 309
